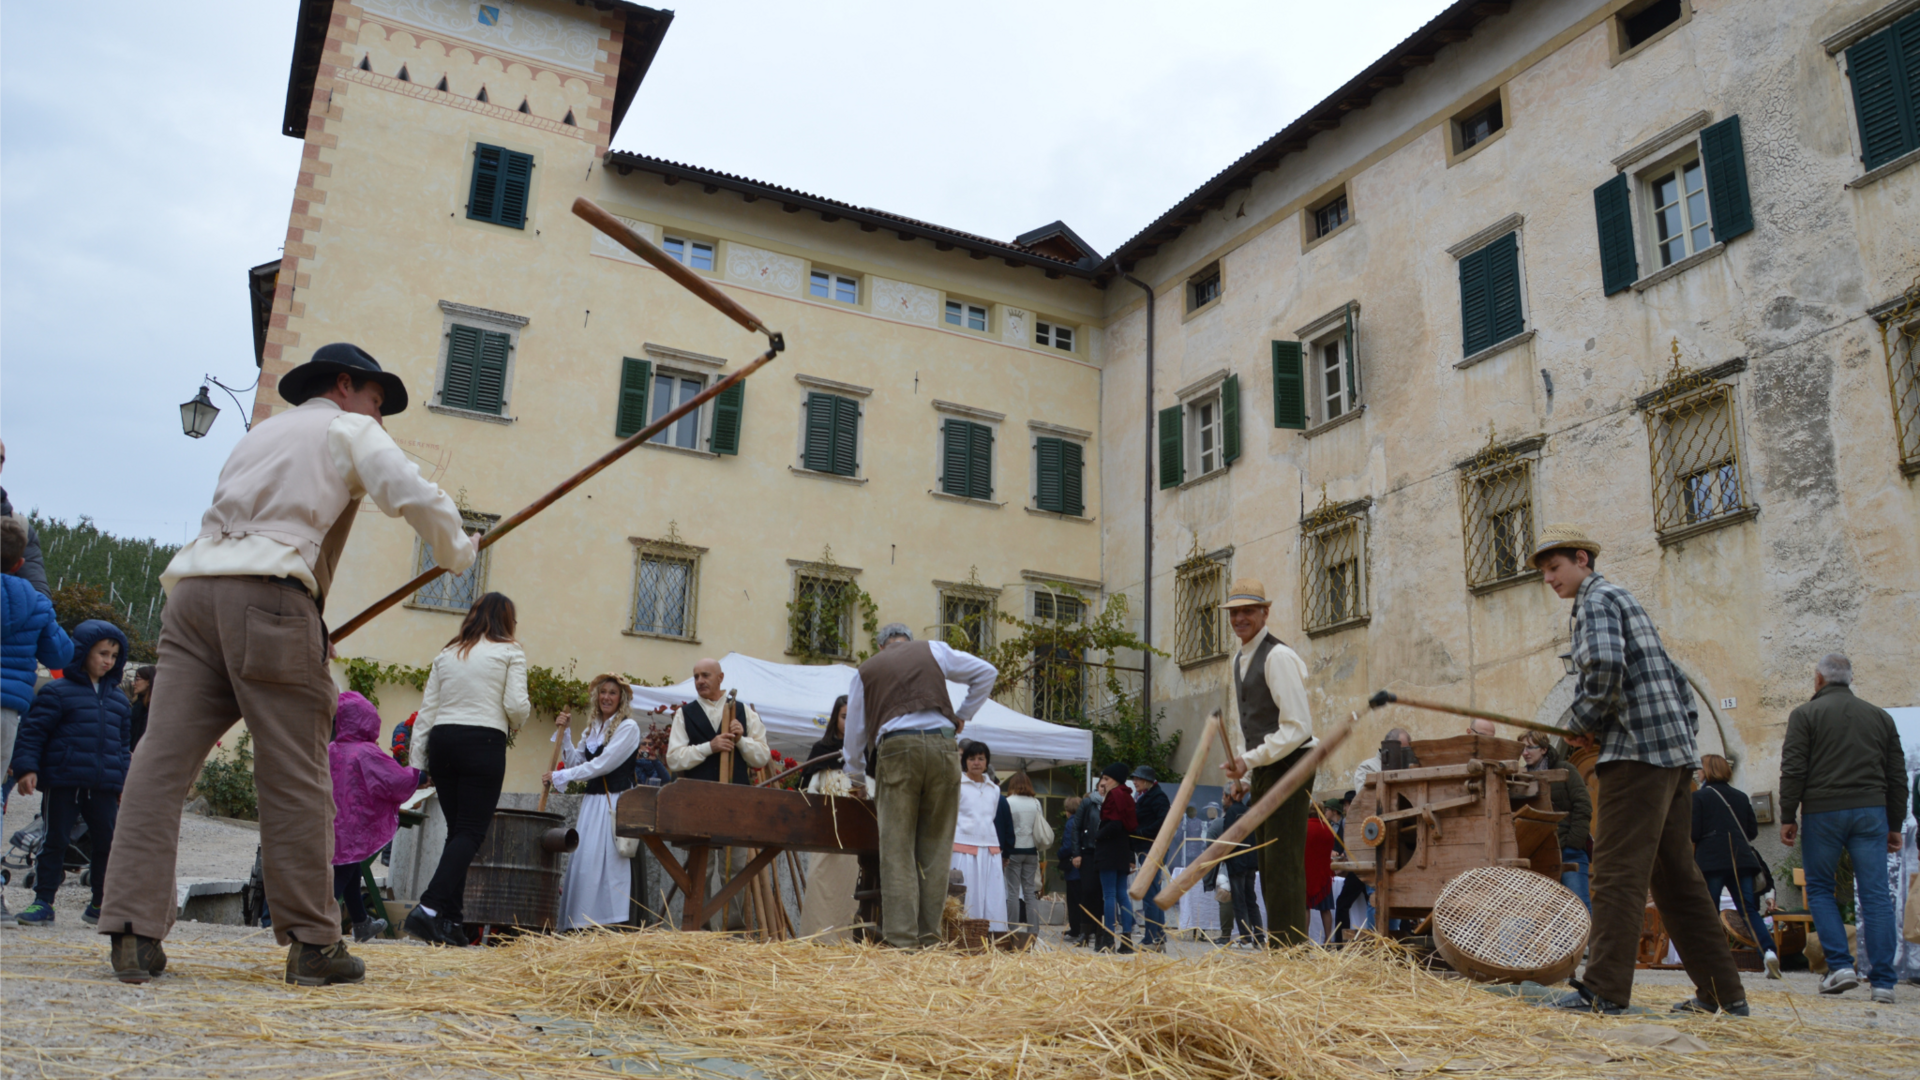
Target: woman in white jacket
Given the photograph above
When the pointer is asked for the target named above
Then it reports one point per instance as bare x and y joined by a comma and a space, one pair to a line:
598, 879
976, 838
476, 695
1031, 836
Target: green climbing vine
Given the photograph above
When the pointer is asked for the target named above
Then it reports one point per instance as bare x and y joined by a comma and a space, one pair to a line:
820, 617
365, 675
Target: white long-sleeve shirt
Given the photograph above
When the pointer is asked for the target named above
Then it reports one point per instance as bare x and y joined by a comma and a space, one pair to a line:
752, 746
612, 749
372, 465
979, 804
485, 688
1286, 676
957, 666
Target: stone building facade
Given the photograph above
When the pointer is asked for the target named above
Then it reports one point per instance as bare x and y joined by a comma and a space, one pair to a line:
1636, 265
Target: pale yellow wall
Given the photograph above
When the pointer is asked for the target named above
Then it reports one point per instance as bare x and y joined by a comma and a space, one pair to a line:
1828, 564
396, 241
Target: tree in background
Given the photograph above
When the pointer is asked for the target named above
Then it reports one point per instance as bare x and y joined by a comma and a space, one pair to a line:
96, 575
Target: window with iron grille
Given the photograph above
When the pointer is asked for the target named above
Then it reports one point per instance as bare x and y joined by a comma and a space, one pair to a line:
1200, 628
823, 625
454, 592
1496, 509
1694, 453
1333, 567
666, 588
1203, 288
1059, 673
1899, 336
967, 614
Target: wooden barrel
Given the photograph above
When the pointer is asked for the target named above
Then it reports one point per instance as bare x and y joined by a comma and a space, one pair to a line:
514, 880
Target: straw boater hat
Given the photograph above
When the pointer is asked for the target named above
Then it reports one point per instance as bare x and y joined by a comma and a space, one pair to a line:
1559, 537
1247, 592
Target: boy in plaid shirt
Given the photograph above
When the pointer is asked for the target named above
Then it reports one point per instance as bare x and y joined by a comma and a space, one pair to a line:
1633, 704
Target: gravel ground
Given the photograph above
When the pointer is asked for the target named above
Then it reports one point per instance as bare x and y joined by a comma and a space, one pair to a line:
224, 1009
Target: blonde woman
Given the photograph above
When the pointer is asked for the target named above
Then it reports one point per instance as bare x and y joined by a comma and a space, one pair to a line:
598, 879
1031, 834
476, 695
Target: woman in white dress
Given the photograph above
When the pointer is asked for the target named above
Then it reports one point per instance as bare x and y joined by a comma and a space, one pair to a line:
977, 841
594, 890
828, 910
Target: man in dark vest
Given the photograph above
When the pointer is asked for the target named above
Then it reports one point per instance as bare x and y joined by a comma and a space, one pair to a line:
1274, 730
695, 746
901, 719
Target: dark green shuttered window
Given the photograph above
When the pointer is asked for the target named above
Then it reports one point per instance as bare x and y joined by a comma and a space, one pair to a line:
967, 460
1490, 295
1230, 420
1613, 210
1059, 476
635, 377
476, 369
1726, 161
1289, 386
1172, 469
833, 434
501, 178
729, 410
1885, 72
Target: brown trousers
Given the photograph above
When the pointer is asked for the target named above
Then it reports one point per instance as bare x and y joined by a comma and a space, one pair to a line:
1645, 842
233, 647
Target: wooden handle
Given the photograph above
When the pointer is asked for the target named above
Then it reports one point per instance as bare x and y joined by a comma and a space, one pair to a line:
1297, 777
726, 728
1150, 866
503, 528
592, 213
546, 786
1386, 698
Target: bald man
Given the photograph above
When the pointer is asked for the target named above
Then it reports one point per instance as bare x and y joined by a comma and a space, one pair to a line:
694, 748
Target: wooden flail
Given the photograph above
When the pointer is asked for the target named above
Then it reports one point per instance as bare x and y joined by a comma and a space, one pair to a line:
1470, 802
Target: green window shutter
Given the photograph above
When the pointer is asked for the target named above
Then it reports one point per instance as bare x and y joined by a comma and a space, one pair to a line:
729, 409
1071, 479
1049, 475
1476, 325
515, 180
819, 451
979, 461
1172, 469
1289, 385
1503, 288
463, 360
1725, 157
846, 436
955, 457
1613, 210
483, 195
1353, 363
490, 375
1886, 80
1230, 420
636, 376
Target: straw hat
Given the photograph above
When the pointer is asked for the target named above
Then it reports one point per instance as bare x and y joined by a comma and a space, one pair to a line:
1247, 592
1562, 535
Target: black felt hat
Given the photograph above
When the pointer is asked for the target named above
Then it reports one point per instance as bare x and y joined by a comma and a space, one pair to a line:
316, 375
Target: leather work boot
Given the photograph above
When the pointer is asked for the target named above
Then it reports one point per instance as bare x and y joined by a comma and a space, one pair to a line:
323, 965
136, 959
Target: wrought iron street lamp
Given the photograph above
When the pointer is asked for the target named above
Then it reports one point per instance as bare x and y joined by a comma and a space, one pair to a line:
197, 416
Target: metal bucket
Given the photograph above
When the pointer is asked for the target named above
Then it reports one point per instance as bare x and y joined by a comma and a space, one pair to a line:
514, 879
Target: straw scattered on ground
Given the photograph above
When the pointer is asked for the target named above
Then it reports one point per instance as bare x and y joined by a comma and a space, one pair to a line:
573, 1006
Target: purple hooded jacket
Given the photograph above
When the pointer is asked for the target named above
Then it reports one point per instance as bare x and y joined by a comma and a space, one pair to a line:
368, 785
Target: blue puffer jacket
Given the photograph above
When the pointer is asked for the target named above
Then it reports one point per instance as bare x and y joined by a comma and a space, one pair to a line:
27, 634
77, 733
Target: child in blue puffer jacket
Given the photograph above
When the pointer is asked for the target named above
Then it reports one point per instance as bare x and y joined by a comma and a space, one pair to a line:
29, 637
75, 746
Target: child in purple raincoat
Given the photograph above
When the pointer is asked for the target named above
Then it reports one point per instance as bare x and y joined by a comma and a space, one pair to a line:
368, 788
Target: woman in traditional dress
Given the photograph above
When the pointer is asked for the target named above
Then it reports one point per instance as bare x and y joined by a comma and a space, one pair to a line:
827, 911
598, 881
977, 840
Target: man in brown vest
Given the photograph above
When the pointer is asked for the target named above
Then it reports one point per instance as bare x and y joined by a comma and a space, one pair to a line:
1274, 730
901, 719
242, 637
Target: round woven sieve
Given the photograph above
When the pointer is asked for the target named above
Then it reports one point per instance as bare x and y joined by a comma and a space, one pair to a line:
1504, 924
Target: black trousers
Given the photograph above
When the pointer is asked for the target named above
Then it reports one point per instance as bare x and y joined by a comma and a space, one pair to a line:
468, 765
346, 888
62, 806
1283, 855
1352, 889
1081, 901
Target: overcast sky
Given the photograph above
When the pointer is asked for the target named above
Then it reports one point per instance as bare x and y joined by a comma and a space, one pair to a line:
142, 171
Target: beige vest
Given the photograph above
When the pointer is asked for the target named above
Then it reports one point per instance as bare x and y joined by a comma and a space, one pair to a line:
280, 483
901, 680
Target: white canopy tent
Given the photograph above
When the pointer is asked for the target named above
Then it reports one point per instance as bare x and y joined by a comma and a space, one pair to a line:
793, 700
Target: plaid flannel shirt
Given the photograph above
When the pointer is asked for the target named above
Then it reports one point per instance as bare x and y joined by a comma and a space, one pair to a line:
1631, 697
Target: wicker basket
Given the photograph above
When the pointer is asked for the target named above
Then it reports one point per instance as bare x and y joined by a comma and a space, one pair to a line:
1504, 924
